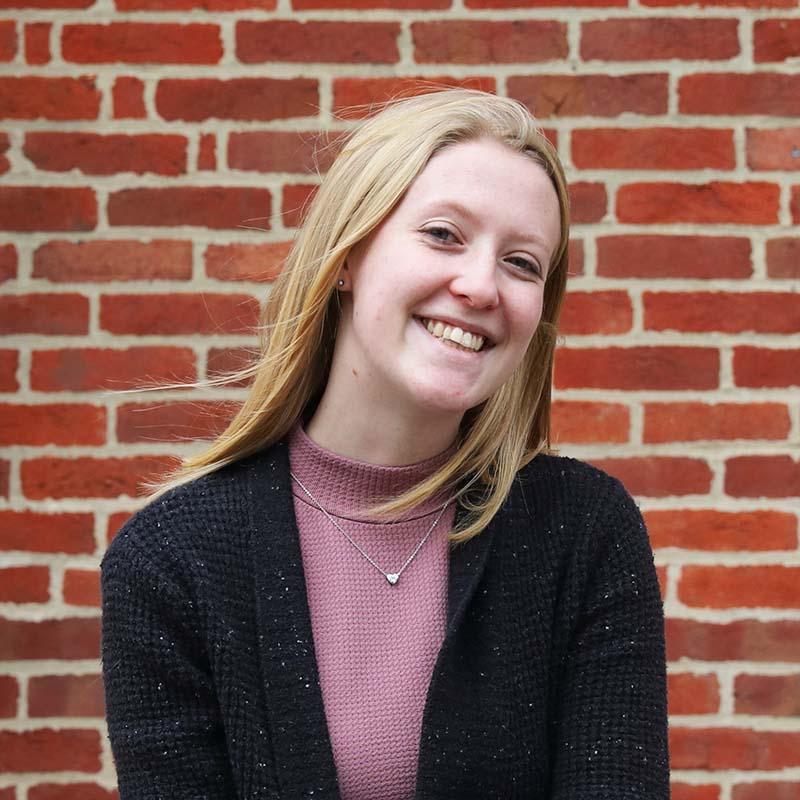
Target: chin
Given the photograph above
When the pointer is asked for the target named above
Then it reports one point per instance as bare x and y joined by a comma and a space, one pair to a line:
447, 400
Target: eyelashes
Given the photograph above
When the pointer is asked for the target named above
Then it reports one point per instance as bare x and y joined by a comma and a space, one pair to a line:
521, 263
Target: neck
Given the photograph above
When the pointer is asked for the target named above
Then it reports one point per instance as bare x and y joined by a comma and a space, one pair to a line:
382, 434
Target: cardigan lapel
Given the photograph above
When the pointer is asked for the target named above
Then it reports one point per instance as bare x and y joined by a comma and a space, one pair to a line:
300, 738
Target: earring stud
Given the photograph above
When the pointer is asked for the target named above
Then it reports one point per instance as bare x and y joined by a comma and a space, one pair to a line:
341, 281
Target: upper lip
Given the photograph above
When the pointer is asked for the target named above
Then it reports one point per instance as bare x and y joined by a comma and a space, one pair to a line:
457, 323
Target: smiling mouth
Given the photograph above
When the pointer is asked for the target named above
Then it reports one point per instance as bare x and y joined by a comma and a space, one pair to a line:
452, 335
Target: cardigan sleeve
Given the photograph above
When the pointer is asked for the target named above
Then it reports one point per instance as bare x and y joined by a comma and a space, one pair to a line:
163, 718
611, 723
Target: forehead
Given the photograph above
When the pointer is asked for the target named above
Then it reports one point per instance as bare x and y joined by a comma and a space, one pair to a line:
489, 179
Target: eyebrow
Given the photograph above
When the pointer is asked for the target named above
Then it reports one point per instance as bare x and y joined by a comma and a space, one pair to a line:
460, 208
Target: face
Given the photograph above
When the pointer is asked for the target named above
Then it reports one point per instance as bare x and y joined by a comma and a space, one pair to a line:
466, 251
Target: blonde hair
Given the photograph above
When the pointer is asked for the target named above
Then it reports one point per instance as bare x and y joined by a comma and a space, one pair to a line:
377, 163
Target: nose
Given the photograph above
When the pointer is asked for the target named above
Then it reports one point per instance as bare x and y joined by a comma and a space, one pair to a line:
476, 282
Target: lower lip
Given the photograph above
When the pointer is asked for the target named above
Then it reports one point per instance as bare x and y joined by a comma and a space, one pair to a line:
451, 347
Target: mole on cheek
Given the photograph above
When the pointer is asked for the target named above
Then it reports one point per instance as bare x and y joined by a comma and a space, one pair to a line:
354, 372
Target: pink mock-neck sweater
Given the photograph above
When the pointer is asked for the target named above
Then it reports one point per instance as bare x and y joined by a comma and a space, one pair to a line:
375, 644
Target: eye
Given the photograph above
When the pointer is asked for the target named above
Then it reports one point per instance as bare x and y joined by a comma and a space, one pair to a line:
437, 231
528, 266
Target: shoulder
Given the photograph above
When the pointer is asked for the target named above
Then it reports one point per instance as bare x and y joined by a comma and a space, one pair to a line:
190, 521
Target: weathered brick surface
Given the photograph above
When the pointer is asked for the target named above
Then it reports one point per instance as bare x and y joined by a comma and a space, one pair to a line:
156, 159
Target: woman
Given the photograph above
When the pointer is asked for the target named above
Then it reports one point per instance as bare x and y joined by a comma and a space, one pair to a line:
377, 582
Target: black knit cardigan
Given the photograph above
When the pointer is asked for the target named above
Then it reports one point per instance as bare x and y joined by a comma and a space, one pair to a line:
550, 683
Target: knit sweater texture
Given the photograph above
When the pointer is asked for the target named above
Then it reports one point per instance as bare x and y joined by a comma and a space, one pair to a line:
375, 643
549, 683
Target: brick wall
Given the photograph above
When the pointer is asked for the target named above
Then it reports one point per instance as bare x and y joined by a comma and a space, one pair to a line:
155, 157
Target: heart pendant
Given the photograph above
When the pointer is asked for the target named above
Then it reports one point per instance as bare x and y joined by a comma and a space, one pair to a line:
392, 577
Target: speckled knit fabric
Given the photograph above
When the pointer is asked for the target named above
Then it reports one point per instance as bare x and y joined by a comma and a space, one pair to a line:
375, 643
549, 683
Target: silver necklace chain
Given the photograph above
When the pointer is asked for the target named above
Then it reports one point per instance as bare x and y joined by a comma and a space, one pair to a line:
392, 577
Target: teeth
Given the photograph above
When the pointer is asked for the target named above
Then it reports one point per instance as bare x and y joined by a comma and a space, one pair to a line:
464, 338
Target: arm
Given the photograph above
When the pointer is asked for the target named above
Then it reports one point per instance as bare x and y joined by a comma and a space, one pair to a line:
610, 739
163, 717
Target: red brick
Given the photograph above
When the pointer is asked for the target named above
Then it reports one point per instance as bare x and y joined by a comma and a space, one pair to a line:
653, 148
5, 164
659, 476
141, 43
115, 522
8, 39
634, 368
24, 585
173, 421
52, 423
590, 95
762, 476
128, 97
4, 476
98, 154
295, 202
188, 5
783, 258
89, 477
773, 149
8, 793
60, 314
761, 367
200, 99
586, 422
716, 202
740, 587
794, 204
742, 640
9, 693
719, 531
41, 532
73, 750
606, 312
657, 38
9, 363
690, 422
692, 694
170, 314
733, 748
8, 262
353, 97
281, 151
774, 790
225, 361
37, 42
395, 5
207, 152
776, 39
730, 312
246, 262
690, 791
768, 93
66, 696
337, 42
115, 260
39, 208
71, 638
489, 42
588, 202
71, 791
656, 256
201, 206
773, 695
32, 97
575, 251
82, 587
89, 369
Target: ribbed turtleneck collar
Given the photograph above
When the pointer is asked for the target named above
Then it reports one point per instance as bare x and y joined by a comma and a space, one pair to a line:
345, 486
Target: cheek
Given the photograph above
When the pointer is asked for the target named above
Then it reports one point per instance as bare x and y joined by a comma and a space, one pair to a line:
526, 313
